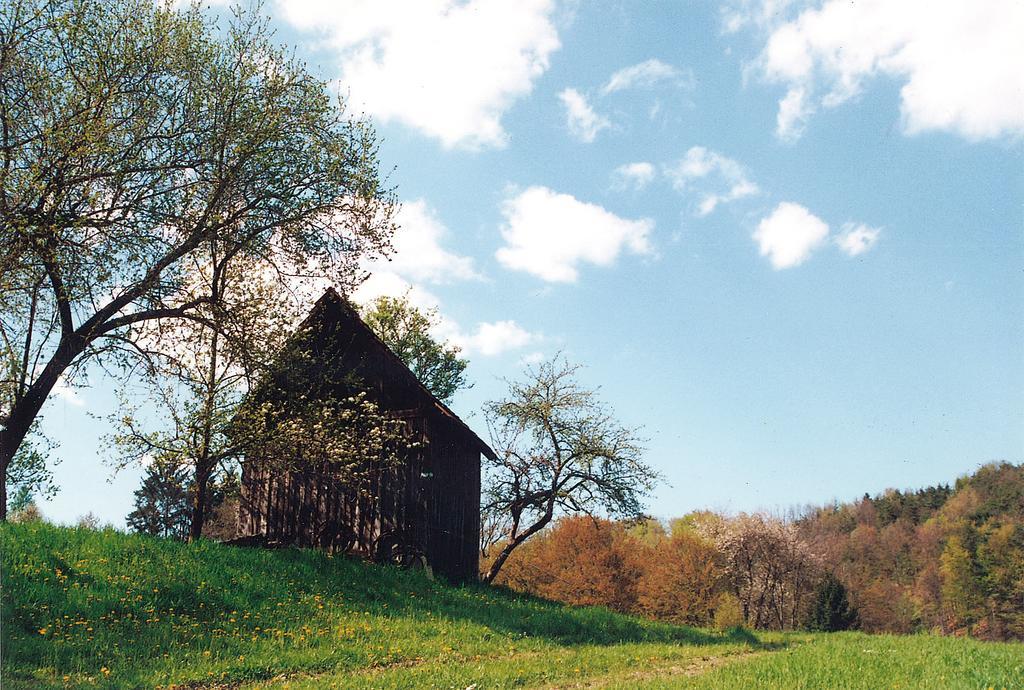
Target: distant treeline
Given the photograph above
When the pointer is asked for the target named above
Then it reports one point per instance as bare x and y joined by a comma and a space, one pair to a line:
944, 559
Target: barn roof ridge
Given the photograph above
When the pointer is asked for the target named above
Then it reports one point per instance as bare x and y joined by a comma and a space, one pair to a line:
332, 297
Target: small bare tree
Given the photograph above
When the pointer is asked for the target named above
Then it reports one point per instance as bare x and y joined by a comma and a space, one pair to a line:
560, 451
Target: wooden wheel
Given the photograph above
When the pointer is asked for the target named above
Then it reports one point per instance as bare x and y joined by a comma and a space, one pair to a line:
335, 538
397, 549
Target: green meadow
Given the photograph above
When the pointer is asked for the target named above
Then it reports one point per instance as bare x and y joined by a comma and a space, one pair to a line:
102, 609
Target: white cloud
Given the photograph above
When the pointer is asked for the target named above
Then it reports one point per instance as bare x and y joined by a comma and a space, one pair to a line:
580, 118
647, 73
959, 62
857, 238
789, 235
488, 339
491, 339
449, 69
418, 254
420, 258
700, 164
794, 110
390, 284
548, 234
742, 13
633, 176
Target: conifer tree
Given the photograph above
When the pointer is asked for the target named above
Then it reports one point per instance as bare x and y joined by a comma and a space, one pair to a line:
831, 611
162, 506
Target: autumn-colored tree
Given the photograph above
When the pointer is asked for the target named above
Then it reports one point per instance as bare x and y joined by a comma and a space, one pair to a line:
1001, 558
937, 561
679, 579
886, 606
581, 561
960, 590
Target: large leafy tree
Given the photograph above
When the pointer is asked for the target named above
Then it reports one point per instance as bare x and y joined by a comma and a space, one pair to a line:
137, 141
406, 330
560, 450
961, 592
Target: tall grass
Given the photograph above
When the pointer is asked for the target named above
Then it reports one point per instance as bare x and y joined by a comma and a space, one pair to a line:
83, 608
105, 609
857, 660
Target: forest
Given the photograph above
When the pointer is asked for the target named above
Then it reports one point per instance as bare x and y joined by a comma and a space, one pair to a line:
944, 559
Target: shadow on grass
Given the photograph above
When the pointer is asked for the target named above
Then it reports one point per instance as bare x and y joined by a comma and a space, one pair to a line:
208, 581
390, 591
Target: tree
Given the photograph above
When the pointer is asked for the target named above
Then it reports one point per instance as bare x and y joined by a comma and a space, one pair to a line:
1001, 557
680, 580
559, 450
831, 610
961, 591
728, 612
580, 561
162, 502
884, 605
133, 137
89, 521
196, 376
767, 565
405, 329
28, 473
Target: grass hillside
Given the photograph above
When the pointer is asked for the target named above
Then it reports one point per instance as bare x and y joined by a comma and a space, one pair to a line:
102, 609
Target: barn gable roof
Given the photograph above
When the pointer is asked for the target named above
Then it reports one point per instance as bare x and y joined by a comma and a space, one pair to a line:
334, 308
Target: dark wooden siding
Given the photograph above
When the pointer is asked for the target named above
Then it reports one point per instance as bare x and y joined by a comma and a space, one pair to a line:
431, 502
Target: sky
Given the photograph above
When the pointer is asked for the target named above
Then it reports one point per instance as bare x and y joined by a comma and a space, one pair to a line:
785, 238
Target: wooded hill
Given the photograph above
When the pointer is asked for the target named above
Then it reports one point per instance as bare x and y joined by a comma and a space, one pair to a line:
947, 559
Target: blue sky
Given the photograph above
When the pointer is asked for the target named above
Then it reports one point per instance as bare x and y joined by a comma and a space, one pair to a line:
786, 238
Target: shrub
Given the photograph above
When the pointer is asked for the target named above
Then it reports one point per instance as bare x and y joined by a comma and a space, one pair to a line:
728, 613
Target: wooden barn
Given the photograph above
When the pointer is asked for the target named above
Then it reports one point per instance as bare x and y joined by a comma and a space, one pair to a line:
426, 510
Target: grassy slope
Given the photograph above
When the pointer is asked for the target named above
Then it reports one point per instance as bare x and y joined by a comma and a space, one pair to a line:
102, 609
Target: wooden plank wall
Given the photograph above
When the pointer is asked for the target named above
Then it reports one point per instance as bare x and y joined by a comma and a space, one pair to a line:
432, 498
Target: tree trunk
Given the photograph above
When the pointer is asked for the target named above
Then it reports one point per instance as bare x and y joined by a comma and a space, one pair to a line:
492, 572
26, 408
204, 468
199, 501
